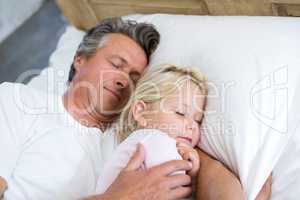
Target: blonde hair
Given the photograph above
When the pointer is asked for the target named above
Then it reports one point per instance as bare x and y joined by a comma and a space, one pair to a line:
155, 85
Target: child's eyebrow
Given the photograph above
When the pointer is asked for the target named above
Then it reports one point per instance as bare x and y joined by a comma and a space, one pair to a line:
177, 106
173, 107
183, 106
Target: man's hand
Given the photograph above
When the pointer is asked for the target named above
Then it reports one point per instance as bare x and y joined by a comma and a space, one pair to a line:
216, 182
190, 154
150, 184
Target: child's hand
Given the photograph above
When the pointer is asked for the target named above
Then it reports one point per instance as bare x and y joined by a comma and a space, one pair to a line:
190, 154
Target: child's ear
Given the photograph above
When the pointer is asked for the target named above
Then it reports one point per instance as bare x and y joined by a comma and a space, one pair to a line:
138, 113
79, 61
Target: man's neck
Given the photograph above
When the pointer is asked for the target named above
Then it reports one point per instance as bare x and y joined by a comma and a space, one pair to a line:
76, 107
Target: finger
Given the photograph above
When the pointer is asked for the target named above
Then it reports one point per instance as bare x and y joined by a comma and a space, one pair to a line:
180, 193
188, 154
194, 159
170, 167
137, 159
181, 150
178, 180
182, 144
193, 156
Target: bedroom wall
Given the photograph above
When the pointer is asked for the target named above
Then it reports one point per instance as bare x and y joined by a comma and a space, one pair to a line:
84, 14
29, 47
14, 13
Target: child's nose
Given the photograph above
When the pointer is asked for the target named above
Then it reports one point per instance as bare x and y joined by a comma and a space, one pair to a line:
190, 124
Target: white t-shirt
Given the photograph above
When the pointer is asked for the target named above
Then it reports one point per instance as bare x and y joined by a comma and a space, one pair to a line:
44, 152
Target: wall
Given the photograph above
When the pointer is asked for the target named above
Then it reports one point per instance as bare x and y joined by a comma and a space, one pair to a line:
14, 12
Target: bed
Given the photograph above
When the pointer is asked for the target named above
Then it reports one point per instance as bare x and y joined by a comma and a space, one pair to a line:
84, 14
249, 51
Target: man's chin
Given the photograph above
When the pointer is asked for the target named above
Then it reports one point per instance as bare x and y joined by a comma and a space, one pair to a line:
111, 113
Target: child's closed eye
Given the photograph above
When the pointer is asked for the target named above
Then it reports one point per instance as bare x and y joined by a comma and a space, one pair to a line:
179, 113
199, 122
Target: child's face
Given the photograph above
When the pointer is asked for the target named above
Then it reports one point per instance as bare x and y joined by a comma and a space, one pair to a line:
179, 115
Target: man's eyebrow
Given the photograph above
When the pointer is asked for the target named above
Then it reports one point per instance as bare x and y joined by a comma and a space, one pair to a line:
119, 57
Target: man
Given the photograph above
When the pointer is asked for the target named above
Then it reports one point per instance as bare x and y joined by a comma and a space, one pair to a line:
51, 146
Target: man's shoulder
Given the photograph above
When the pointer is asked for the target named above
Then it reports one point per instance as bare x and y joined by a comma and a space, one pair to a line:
19, 91
24, 98
9, 86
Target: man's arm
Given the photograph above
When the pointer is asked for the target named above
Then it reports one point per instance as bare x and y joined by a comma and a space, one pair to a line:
3, 186
216, 182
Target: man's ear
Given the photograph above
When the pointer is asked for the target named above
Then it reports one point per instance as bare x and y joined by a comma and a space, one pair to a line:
79, 61
138, 112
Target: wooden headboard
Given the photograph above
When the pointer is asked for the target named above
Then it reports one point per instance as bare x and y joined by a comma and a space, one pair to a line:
84, 14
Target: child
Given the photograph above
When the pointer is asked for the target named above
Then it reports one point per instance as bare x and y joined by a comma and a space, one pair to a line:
164, 114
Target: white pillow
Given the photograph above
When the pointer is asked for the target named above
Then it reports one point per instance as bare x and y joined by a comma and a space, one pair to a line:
53, 79
252, 63
252, 109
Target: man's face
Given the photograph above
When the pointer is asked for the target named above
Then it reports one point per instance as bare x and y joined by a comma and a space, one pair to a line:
106, 79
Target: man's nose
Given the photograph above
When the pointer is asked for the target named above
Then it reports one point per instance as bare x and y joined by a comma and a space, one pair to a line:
121, 83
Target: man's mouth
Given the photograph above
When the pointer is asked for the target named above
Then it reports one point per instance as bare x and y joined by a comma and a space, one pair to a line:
116, 94
189, 140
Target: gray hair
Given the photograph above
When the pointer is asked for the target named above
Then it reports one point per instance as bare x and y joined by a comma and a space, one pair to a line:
142, 33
